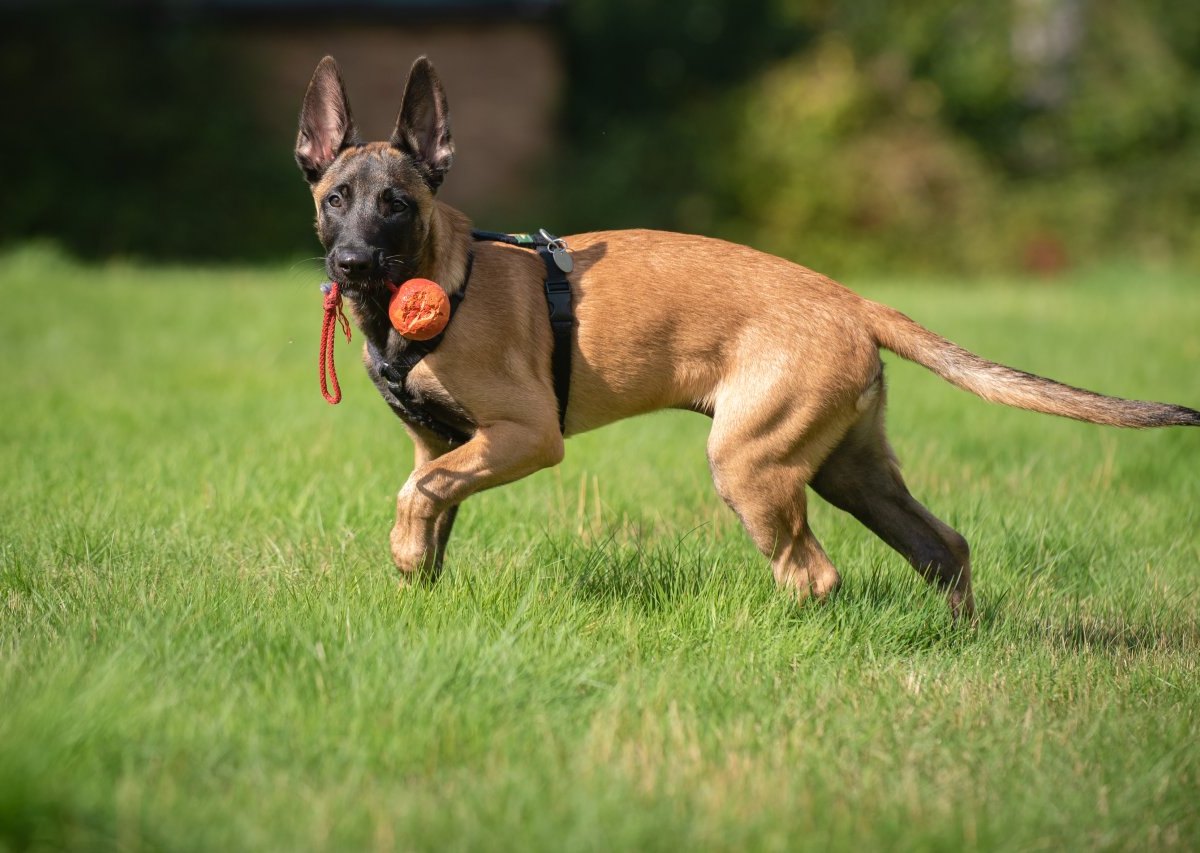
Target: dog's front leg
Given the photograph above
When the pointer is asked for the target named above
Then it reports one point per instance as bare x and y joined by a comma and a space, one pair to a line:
426, 447
498, 453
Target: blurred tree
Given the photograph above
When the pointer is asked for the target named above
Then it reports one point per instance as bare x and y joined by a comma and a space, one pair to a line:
864, 133
131, 135
860, 134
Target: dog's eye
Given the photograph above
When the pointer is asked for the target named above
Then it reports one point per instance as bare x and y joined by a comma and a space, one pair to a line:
399, 205
334, 200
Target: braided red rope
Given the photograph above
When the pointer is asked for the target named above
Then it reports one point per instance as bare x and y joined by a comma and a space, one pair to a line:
333, 315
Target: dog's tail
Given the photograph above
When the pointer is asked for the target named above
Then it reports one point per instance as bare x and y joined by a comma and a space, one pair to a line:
1000, 384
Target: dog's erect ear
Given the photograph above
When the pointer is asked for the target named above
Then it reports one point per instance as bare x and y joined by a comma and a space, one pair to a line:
326, 126
423, 128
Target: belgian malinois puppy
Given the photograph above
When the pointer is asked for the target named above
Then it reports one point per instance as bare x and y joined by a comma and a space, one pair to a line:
784, 361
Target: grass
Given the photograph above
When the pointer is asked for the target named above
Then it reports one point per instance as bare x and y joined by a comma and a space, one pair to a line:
202, 645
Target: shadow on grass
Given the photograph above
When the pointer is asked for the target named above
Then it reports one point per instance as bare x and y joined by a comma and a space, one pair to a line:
878, 609
885, 604
50, 825
43, 808
1109, 634
1103, 629
650, 578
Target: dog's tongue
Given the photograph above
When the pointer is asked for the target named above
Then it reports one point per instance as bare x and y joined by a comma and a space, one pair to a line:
419, 309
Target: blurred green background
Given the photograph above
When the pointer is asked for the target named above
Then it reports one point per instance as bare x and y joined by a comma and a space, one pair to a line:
1013, 135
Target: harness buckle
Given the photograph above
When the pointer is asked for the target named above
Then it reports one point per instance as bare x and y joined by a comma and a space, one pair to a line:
558, 298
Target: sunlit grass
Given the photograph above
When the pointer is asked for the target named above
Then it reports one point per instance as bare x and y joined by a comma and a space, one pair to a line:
202, 645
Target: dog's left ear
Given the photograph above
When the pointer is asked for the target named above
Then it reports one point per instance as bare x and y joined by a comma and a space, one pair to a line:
423, 128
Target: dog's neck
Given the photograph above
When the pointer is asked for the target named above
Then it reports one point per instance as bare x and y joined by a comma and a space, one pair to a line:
443, 260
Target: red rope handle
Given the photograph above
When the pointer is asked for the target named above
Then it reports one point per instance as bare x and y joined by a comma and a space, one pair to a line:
333, 316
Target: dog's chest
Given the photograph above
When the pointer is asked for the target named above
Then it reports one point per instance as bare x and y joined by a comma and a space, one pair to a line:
411, 388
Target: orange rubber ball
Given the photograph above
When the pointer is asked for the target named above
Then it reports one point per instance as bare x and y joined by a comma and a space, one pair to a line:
419, 309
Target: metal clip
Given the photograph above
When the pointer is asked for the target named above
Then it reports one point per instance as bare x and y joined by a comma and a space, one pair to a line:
558, 251
554, 244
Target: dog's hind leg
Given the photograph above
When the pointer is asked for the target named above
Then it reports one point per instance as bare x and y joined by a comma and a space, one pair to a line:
862, 477
762, 454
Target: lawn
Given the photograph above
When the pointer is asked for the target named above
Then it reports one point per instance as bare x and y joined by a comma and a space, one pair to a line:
203, 645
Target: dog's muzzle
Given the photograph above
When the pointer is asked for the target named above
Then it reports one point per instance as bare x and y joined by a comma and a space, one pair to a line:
355, 263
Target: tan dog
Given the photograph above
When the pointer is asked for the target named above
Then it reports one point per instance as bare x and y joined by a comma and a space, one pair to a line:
784, 361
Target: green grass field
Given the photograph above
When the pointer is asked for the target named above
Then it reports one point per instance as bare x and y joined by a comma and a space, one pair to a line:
203, 645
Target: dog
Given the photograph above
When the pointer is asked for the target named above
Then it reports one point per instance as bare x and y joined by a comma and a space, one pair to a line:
783, 360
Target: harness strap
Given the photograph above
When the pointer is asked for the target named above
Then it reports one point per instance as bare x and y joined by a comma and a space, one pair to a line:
553, 253
407, 406
395, 374
562, 323
558, 263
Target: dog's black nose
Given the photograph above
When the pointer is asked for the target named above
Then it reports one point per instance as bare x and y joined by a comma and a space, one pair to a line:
354, 263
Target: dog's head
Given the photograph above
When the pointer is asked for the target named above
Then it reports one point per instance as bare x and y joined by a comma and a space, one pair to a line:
374, 200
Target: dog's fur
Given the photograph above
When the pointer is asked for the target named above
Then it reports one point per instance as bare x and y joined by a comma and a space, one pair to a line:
784, 361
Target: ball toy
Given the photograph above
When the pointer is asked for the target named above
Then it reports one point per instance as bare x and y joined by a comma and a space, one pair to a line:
419, 309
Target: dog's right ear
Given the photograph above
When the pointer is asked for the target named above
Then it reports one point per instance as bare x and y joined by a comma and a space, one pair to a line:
326, 126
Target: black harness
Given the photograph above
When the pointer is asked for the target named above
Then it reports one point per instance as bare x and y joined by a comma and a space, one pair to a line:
420, 412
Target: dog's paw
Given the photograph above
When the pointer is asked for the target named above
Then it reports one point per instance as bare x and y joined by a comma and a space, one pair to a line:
414, 559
